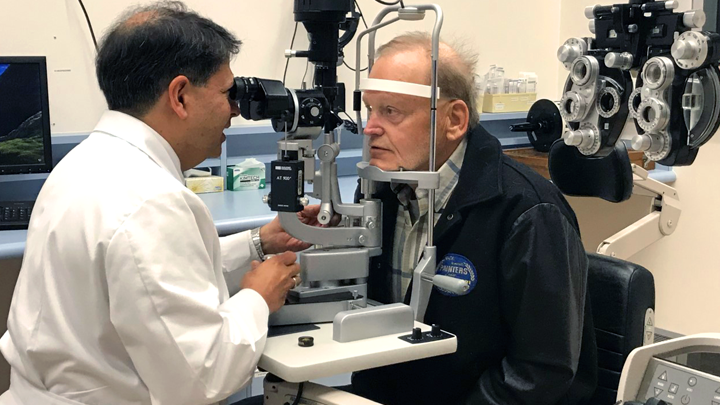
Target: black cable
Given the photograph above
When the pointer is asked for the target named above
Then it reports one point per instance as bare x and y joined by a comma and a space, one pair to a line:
348, 66
87, 18
287, 62
349, 117
299, 394
366, 26
361, 14
306, 69
391, 3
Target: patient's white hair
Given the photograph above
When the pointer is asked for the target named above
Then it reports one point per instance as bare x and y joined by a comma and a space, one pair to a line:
456, 67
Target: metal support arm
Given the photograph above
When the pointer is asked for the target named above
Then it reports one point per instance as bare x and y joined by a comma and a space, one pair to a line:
660, 222
351, 236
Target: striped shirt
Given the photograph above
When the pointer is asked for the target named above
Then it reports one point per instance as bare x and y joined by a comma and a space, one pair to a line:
411, 224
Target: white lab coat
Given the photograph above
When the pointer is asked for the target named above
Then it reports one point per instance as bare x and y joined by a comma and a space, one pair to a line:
121, 297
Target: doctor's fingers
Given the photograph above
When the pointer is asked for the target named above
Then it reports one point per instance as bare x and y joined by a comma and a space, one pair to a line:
294, 270
293, 282
286, 258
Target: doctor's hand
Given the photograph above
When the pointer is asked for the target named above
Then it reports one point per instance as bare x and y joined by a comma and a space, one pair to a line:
273, 278
275, 239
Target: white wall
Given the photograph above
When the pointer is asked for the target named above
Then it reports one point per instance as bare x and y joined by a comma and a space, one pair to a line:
517, 34
52, 28
685, 265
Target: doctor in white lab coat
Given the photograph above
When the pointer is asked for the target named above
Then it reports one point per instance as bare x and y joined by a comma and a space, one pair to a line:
121, 297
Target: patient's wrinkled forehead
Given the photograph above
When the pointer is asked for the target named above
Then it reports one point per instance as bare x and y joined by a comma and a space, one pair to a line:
412, 66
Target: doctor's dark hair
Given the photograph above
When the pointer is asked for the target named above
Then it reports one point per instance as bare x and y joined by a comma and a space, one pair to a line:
149, 46
456, 68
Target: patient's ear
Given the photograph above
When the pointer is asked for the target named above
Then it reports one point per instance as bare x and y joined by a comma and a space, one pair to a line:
457, 119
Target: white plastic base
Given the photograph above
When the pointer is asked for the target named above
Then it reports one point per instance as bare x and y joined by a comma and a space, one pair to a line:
287, 360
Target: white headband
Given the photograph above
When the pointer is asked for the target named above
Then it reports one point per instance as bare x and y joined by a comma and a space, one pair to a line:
392, 86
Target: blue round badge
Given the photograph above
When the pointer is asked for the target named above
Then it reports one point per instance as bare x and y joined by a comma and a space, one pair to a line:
457, 266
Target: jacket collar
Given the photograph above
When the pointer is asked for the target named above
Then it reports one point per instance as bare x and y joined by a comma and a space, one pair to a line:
480, 177
143, 137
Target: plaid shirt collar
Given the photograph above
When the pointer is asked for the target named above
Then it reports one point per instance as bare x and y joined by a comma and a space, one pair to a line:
449, 172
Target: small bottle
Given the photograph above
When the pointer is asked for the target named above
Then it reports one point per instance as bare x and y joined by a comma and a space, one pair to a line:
489, 79
531, 79
522, 85
481, 86
499, 80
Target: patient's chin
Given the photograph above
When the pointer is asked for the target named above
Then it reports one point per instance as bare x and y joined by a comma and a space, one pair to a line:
384, 165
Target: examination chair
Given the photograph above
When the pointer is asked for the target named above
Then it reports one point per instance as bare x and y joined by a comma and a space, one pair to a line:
622, 294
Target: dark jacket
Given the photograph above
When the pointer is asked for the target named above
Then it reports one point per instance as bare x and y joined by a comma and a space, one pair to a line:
525, 333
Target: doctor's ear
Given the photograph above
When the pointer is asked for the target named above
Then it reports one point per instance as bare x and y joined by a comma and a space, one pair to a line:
177, 93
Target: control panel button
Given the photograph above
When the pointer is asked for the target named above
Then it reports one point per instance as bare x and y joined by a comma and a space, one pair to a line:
692, 381
663, 376
685, 400
673, 388
658, 391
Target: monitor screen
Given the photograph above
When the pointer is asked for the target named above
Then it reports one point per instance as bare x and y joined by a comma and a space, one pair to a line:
25, 145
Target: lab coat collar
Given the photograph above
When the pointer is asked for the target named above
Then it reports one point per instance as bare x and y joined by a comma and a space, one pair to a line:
143, 137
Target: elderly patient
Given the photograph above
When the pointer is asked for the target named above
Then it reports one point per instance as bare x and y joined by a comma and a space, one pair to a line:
524, 328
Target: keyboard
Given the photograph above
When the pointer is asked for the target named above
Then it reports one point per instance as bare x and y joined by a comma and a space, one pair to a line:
15, 214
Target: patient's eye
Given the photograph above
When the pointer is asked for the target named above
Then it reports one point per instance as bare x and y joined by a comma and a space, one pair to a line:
392, 114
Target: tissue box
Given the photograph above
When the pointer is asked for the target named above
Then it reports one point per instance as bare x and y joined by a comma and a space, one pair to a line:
514, 102
240, 178
210, 184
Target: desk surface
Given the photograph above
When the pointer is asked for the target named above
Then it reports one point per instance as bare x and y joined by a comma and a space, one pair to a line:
232, 211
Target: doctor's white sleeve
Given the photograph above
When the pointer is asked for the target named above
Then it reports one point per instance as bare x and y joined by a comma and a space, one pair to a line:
165, 303
237, 253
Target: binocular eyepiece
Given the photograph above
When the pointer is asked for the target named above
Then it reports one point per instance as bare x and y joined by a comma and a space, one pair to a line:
288, 109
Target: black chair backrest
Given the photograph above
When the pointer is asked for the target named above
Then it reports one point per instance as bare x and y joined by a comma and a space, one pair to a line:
620, 293
575, 174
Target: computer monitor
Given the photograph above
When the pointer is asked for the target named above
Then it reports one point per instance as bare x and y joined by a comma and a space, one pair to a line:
25, 145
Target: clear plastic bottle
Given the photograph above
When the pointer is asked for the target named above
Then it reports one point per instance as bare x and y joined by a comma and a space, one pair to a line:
499, 81
481, 86
489, 78
531, 79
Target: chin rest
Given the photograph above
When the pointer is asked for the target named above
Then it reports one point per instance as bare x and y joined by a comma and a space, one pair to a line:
575, 174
